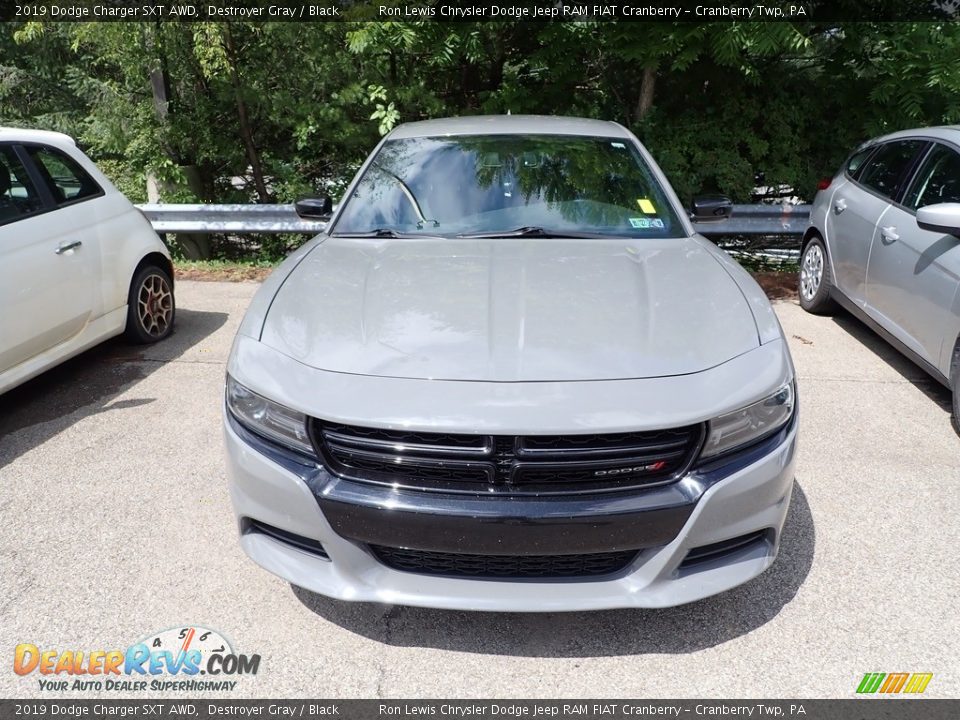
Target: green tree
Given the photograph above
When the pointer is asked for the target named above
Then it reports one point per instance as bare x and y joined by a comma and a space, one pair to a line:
269, 112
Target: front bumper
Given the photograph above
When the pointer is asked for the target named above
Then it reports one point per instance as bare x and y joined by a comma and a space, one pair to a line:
746, 496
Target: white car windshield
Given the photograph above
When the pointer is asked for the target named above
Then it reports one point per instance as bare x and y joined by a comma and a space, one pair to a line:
505, 185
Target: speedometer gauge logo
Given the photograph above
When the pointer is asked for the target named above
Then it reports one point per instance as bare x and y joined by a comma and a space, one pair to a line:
184, 639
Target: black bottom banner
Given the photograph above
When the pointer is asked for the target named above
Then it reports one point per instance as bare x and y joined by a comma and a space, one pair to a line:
853, 709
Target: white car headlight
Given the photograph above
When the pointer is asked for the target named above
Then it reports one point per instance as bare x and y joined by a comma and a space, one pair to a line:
265, 417
749, 424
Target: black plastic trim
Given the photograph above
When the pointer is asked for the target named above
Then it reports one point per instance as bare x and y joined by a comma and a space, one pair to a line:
911, 355
508, 525
249, 526
577, 567
524, 461
724, 548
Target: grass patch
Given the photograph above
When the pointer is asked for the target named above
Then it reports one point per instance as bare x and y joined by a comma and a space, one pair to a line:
223, 270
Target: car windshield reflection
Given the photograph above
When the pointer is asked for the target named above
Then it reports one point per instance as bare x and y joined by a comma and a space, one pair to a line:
502, 185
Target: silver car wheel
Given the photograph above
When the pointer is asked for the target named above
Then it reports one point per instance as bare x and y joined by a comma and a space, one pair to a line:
811, 272
155, 305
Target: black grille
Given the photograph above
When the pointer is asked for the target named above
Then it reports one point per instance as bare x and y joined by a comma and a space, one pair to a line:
503, 566
527, 464
722, 548
249, 525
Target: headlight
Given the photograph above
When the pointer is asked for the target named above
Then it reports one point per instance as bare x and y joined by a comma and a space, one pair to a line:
751, 423
265, 417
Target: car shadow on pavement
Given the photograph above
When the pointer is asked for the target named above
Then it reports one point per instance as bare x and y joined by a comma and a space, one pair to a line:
910, 372
682, 629
89, 383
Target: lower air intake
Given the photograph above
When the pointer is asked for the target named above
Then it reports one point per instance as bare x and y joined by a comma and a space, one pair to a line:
250, 526
425, 562
722, 549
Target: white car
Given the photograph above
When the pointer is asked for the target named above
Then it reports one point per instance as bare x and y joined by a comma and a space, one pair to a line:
78, 262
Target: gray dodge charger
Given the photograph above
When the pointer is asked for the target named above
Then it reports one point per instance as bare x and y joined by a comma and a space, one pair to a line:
510, 376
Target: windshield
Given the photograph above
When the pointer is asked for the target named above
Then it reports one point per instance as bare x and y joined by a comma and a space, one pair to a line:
496, 185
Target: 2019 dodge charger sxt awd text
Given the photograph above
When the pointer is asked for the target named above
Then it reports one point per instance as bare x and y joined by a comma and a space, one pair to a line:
510, 376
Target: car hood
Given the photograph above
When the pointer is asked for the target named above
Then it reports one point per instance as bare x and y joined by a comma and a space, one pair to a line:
510, 310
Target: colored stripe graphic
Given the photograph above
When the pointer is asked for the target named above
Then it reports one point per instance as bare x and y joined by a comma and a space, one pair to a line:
870, 682
894, 682
918, 682
912, 683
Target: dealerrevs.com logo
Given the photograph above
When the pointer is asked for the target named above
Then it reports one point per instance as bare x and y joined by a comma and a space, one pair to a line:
190, 659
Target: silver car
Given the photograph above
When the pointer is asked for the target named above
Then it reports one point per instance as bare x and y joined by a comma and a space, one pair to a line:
884, 243
510, 376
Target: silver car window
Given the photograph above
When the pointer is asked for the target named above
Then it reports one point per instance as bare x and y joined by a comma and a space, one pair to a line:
937, 181
856, 160
886, 168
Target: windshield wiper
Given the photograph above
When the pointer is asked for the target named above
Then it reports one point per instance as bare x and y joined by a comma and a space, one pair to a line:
411, 198
531, 231
380, 233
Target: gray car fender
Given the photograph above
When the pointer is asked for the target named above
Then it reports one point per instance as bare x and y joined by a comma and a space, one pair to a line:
256, 315
768, 326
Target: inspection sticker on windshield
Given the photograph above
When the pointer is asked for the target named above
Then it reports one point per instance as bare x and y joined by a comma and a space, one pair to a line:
646, 206
646, 222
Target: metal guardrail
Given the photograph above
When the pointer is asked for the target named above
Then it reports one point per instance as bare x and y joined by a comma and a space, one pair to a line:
273, 219
781, 219
230, 219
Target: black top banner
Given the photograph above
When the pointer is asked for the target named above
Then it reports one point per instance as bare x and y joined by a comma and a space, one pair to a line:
475, 11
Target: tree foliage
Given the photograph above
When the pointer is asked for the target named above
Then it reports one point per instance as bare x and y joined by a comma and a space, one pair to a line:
262, 112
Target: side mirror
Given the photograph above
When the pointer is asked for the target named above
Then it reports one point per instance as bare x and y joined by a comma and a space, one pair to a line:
941, 218
711, 207
314, 208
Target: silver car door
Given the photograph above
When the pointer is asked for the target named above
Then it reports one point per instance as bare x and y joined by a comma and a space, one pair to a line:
855, 209
913, 274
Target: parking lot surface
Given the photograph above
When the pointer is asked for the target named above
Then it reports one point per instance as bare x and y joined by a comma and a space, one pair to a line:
116, 524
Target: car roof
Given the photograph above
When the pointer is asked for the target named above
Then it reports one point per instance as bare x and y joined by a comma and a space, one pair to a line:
510, 125
940, 132
48, 137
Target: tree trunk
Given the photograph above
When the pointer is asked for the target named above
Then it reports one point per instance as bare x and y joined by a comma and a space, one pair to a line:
647, 84
194, 247
246, 131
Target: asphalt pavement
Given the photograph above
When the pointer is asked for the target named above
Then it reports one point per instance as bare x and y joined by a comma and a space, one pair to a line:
116, 524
